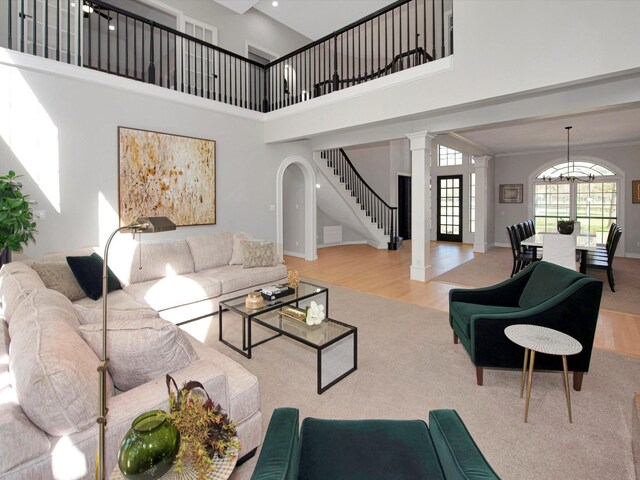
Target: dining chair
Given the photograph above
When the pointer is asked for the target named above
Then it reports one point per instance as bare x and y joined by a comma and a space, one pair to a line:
597, 261
520, 258
561, 250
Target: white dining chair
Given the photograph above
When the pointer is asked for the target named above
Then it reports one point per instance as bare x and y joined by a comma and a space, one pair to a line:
561, 250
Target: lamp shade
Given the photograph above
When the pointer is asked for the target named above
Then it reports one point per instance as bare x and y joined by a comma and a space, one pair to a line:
154, 224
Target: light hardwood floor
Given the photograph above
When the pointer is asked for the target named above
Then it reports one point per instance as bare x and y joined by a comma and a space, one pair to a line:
386, 273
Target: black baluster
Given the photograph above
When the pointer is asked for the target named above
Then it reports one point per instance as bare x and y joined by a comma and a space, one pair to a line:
433, 29
408, 35
117, 43
109, 45
9, 35
46, 29
33, 28
189, 66
424, 26
161, 76
442, 25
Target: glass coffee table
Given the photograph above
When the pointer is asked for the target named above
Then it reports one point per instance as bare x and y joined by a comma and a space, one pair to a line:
336, 343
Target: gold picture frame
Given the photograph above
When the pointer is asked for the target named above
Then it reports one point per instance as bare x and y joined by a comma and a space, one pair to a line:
635, 191
511, 193
161, 174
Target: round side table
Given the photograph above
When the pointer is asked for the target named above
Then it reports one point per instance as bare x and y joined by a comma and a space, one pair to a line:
535, 338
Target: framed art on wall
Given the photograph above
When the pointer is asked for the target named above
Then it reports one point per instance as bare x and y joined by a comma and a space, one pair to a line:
511, 193
160, 174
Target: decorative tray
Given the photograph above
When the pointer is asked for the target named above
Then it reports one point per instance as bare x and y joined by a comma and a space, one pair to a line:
294, 313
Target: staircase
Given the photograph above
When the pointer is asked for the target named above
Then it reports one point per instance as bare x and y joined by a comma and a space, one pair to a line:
375, 215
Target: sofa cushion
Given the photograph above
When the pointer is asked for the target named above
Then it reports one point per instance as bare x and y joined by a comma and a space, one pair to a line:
54, 369
17, 280
58, 276
160, 260
258, 254
237, 254
93, 314
461, 312
88, 272
21, 440
233, 278
244, 394
173, 291
371, 449
141, 350
546, 281
211, 250
119, 299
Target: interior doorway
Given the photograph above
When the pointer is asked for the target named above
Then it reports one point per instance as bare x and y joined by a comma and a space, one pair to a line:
404, 206
449, 208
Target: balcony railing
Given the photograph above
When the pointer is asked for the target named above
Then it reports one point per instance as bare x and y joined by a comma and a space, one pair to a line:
96, 35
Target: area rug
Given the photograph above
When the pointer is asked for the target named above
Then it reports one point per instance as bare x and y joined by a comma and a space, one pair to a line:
495, 266
408, 365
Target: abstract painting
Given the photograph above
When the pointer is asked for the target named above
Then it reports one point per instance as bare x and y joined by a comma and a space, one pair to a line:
166, 175
511, 193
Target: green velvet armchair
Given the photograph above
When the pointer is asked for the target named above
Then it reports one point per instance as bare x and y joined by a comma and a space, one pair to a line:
542, 294
370, 449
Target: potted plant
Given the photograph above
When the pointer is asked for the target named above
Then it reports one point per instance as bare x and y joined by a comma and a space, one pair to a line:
565, 227
16, 217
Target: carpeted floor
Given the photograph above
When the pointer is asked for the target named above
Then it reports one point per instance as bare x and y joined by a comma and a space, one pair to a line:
409, 365
495, 266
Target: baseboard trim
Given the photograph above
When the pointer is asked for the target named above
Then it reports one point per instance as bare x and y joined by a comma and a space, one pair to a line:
632, 255
355, 242
294, 254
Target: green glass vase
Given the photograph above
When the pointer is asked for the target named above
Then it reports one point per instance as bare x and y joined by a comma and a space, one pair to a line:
149, 447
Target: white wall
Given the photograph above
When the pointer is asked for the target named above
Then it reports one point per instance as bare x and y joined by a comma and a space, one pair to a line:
519, 168
348, 235
61, 133
234, 29
293, 211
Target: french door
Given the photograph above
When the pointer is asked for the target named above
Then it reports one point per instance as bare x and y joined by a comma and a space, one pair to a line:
450, 208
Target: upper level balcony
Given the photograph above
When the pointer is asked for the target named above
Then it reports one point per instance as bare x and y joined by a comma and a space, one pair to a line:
94, 34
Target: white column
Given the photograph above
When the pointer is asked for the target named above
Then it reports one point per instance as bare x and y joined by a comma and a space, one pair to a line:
482, 205
420, 145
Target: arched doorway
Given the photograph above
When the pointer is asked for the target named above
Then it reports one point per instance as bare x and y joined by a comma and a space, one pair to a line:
309, 174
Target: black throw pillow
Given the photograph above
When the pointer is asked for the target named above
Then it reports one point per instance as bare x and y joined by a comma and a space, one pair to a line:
88, 272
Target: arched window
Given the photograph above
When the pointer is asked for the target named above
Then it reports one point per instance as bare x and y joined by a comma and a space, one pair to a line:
594, 204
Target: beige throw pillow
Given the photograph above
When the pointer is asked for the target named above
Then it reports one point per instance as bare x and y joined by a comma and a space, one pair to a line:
141, 350
258, 254
237, 255
17, 281
55, 371
59, 277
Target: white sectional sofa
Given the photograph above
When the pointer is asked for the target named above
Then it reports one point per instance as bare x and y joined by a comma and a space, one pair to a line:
48, 377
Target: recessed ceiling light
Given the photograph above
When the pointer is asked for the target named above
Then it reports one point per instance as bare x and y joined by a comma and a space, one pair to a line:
112, 27
274, 3
317, 185
87, 8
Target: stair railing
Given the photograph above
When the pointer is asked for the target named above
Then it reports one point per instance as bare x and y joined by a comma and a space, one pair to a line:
381, 213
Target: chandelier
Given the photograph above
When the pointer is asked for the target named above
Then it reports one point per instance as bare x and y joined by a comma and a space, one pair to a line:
570, 168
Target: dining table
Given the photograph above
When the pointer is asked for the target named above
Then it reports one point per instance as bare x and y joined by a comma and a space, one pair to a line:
584, 243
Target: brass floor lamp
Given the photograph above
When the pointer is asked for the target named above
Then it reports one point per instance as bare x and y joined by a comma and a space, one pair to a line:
141, 225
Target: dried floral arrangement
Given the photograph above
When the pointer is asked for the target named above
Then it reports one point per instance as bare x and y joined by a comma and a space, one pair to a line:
205, 430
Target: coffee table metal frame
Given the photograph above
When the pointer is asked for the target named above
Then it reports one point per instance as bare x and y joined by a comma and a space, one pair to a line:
249, 316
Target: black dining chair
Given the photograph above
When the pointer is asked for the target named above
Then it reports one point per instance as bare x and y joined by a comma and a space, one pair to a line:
597, 261
521, 258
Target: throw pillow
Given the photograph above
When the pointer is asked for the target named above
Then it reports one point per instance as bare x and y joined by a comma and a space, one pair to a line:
58, 276
93, 315
17, 281
88, 272
54, 370
237, 255
141, 350
257, 254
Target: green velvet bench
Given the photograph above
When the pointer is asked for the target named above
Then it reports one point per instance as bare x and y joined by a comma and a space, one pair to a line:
370, 449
